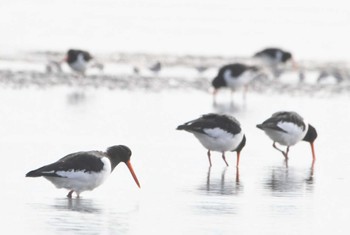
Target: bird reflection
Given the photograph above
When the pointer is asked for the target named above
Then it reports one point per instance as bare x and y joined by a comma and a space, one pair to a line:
223, 186
76, 97
228, 107
284, 181
76, 204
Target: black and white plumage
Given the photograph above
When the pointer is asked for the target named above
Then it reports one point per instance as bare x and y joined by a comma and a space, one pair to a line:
78, 60
217, 132
201, 68
234, 76
53, 66
288, 128
275, 55
82, 171
338, 74
155, 68
273, 58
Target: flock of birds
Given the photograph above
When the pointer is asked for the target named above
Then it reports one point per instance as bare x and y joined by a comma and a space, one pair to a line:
83, 171
222, 133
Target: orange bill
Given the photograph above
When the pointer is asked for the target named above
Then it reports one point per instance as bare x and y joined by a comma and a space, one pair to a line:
128, 164
294, 64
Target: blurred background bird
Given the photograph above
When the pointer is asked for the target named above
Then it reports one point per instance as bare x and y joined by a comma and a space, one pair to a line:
234, 76
276, 60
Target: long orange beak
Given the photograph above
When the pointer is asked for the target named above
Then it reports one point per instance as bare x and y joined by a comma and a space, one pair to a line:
128, 164
65, 59
313, 152
294, 64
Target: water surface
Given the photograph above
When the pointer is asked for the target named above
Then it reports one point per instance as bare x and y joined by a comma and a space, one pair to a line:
179, 193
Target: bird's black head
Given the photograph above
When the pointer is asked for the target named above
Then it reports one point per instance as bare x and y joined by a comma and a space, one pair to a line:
72, 52
311, 134
120, 153
218, 82
286, 56
72, 55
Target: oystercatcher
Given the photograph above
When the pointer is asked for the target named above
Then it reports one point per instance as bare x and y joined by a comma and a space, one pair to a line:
274, 57
155, 68
234, 76
82, 171
78, 60
288, 128
217, 132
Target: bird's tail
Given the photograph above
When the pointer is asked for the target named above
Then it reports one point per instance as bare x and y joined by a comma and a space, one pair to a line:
260, 126
34, 173
182, 127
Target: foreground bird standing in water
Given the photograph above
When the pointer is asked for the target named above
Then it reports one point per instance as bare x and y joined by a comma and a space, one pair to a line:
288, 128
217, 132
82, 171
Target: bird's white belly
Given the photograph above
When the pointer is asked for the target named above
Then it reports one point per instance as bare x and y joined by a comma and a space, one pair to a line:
219, 140
80, 181
80, 65
292, 135
236, 82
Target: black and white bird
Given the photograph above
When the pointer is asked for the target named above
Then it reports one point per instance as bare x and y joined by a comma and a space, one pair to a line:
288, 128
201, 69
155, 68
217, 132
83, 171
234, 76
274, 58
78, 60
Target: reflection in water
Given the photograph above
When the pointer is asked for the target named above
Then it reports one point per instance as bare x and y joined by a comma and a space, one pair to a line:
76, 97
77, 204
217, 197
222, 186
228, 107
286, 181
85, 216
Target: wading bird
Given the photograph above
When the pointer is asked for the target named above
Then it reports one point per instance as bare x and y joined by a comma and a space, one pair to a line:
274, 58
83, 171
217, 132
288, 128
234, 76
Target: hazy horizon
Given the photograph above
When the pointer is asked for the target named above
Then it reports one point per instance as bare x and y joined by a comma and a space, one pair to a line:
310, 30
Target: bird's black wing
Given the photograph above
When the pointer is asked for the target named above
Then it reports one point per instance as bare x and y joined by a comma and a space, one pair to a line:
87, 56
272, 122
81, 161
211, 121
235, 69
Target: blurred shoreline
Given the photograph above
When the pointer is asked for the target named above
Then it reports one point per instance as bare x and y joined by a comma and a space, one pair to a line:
167, 59
178, 72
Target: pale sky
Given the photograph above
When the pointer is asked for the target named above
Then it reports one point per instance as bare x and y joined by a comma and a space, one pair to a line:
310, 29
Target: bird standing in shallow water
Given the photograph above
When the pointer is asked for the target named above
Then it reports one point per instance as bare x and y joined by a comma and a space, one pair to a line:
217, 132
288, 128
234, 76
78, 60
82, 171
273, 58
155, 68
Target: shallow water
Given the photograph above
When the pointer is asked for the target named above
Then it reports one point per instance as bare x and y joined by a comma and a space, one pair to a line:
179, 194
